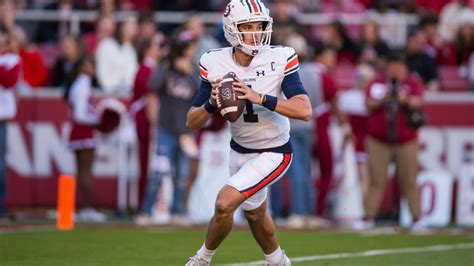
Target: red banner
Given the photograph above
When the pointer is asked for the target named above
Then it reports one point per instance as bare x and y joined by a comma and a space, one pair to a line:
37, 150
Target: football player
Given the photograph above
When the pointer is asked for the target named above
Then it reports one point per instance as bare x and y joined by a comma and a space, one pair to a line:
260, 149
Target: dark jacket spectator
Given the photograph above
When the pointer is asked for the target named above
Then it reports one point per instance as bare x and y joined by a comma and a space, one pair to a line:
335, 35
421, 63
370, 39
71, 50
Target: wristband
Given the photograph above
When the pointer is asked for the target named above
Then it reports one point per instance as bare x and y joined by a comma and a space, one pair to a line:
262, 99
209, 107
270, 102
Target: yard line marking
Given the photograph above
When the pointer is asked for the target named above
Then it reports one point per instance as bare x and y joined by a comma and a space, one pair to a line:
369, 253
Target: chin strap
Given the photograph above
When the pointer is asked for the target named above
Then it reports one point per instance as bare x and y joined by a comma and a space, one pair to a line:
248, 51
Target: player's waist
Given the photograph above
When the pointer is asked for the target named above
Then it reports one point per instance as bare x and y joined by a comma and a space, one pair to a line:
285, 148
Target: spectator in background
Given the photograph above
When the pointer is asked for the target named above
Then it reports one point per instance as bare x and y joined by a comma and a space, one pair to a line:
215, 124
389, 99
302, 139
172, 87
470, 73
148, 55
147, 27
139, 5
105, 28
401, 6
301, 190
338, 7
325, 58
10, 64
431, 6
449, 19
181, 5
435, 46
464, 41
369, 39
421, 63
81, 141
342, 6
352, 103
205, 42
107, 7
8, 10
334, 34
72, 49
284, 21
34, 71
116, 59
53, 31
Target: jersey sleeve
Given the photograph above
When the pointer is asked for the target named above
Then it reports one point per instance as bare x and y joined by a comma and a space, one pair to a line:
292, 64
292, 85
204, 67
203, 94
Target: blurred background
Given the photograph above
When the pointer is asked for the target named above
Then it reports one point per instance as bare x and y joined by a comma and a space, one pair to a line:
126, 42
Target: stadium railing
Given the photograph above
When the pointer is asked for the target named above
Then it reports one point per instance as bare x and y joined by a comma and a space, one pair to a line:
172, 17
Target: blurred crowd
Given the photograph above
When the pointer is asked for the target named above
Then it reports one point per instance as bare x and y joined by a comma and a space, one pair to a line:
443, 35
130, 56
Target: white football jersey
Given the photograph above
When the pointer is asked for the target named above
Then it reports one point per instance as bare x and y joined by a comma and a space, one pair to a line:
257, 127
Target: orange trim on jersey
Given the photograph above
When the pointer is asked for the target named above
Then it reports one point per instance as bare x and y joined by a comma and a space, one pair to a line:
292, 63
270, 178
203, 72
254, 6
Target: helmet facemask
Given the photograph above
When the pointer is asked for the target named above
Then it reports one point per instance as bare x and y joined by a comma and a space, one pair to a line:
259, 39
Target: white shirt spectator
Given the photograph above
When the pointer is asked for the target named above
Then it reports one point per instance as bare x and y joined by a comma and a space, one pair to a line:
79, 97
116, 66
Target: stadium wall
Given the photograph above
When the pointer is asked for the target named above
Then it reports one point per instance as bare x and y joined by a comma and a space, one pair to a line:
37, 151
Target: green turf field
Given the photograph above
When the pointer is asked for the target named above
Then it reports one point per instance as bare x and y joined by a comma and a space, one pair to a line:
159, 246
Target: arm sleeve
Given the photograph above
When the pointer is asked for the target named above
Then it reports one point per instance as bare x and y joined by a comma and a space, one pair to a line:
292, 85
203, 94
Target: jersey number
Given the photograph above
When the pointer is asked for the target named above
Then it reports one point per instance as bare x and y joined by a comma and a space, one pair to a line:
250, 117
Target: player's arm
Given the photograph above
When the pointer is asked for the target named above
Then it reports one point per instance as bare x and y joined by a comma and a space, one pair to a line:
297, 107
204, 104
297, 104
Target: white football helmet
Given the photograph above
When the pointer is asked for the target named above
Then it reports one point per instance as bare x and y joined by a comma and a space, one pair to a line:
243, 11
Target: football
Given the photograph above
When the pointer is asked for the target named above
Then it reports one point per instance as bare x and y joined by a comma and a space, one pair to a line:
229, 105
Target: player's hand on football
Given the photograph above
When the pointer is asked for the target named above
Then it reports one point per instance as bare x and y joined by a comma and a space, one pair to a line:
247, 92
215, 91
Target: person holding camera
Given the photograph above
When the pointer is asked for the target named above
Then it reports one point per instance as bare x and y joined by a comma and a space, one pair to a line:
394, 102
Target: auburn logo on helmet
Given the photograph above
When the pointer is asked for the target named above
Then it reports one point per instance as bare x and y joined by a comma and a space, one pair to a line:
227, 10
